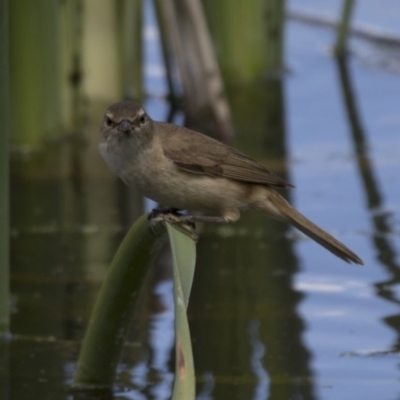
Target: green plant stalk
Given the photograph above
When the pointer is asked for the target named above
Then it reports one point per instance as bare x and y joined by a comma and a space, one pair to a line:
275, 22
71, 32
34, 71
248, 37
343, 30
184, 259
109, 324
4, 169
49, 20
132, 49
27, 95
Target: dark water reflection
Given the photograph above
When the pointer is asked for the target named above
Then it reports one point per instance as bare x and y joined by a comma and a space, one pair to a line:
244, 318
387, 253
271, 316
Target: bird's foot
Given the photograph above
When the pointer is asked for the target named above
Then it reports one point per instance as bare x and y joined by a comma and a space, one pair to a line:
173, 216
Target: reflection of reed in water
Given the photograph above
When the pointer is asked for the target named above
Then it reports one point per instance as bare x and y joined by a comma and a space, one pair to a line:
385, 249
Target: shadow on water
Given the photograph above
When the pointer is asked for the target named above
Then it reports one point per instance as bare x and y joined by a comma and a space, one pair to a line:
385, 250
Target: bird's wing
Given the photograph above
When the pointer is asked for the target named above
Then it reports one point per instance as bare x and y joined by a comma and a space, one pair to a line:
196, 153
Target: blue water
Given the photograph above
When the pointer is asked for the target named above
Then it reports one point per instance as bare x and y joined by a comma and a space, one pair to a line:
347, 321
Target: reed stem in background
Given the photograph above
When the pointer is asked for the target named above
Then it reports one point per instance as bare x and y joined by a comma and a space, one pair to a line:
275, 24
131, 17
211, 79
168, 14
248, 37
343, 29
71, 63
35, 77
101, 58
187, 45
4, 168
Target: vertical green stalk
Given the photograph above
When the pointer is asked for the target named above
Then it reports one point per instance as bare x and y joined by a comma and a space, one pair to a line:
101, 61
275, 19
71, 62
34, 71
343, 30
4, 168
49, 24
132, 48
248, 37
27, 96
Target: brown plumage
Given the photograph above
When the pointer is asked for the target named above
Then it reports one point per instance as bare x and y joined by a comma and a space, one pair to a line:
217, 159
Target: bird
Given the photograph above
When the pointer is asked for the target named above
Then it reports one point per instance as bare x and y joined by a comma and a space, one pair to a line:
187, 170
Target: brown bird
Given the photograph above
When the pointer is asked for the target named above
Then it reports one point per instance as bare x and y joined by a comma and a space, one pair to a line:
184, 169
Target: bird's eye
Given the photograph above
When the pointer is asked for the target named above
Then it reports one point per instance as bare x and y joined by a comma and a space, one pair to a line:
109, 121
143, 119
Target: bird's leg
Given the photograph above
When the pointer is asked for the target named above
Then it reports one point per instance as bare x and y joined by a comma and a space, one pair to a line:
158, 214
186, 222
203, 218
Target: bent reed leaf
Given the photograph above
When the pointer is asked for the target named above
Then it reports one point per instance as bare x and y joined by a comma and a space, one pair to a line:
184, 259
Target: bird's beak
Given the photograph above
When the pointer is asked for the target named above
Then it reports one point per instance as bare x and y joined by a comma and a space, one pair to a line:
125, 125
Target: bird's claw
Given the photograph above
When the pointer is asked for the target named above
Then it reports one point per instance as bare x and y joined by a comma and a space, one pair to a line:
172, 216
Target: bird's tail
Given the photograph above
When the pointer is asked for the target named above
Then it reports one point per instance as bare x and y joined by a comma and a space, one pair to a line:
276, 206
